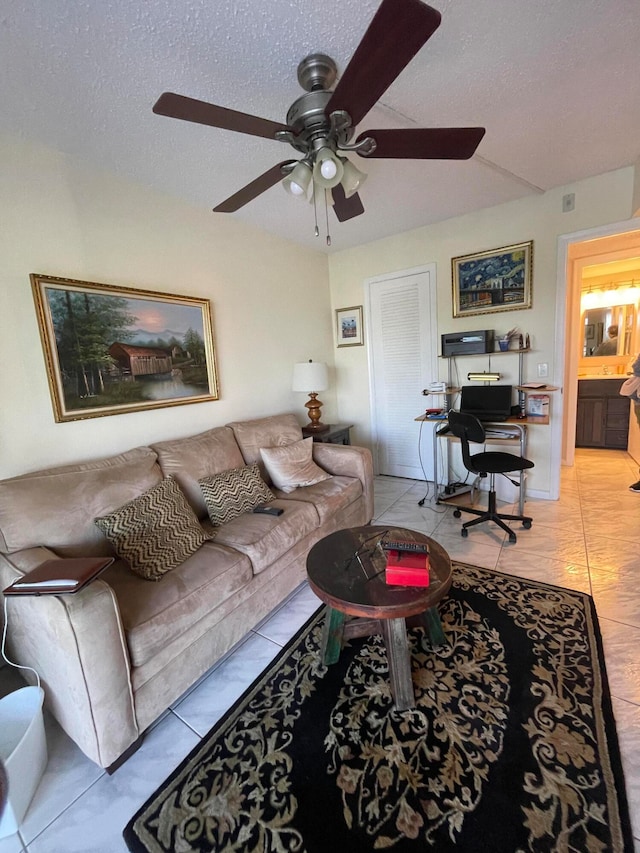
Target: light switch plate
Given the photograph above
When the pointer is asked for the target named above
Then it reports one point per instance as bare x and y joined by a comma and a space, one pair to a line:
543, 370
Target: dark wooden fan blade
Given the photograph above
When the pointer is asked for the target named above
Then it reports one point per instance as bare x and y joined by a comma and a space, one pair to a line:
254, 189
426, 143
188, 109
397, 32
346, 208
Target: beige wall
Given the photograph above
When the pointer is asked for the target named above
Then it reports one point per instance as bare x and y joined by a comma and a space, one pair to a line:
603, 199
270, 302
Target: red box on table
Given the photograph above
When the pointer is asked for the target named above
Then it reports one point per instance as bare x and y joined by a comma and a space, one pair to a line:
405, 568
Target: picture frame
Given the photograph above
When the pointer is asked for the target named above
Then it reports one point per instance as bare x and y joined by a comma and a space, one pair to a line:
110, 350
349, 331
492, 281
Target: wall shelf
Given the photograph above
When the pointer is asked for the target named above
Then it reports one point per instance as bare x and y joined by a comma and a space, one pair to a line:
521, 388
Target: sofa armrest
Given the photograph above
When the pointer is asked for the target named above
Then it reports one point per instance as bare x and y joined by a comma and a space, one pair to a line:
348, 461
77, 645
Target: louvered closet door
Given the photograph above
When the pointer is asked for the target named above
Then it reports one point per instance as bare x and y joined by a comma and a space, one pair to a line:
403, 359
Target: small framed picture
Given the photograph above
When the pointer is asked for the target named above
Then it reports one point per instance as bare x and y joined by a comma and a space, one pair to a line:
349, 326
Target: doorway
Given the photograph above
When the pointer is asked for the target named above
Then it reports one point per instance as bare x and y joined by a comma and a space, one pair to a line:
617, 242
403, 357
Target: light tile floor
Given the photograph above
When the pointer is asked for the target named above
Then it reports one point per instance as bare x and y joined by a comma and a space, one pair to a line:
588, 540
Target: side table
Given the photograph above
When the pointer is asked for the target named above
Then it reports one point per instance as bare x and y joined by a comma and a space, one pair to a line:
336, 434
346, 571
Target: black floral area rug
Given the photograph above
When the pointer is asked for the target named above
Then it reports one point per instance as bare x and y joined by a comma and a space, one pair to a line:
511, 747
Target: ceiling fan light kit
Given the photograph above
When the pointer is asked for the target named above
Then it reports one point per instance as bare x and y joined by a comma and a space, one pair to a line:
320, 123
327, 168
352, 178
298, 180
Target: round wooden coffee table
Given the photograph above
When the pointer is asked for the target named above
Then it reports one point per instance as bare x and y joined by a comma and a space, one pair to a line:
346, 570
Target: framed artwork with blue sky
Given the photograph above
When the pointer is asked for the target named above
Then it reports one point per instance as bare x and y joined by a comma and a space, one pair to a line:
492, 281
349, 331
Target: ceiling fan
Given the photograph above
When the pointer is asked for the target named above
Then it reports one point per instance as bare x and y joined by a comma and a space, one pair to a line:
321, 123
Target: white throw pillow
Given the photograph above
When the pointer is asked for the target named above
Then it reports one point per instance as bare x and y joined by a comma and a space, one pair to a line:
292, 466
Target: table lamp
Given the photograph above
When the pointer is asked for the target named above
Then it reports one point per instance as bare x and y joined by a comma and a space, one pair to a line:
311, 377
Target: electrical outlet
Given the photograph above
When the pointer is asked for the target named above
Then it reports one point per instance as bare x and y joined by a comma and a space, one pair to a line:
543, 370
568, 202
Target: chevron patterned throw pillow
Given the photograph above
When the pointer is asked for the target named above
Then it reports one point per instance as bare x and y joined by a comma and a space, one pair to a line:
154, 532
230, 493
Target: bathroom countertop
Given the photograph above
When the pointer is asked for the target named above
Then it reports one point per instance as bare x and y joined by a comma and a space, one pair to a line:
604, 376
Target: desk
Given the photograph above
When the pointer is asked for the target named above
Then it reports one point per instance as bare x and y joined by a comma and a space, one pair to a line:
519, 425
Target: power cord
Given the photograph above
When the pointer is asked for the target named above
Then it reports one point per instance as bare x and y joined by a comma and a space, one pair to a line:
4, 640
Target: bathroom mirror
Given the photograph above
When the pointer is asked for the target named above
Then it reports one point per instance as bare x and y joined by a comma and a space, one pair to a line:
608, 331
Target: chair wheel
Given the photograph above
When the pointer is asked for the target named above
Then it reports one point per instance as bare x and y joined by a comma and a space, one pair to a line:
456, 513
464, 533
526, 525
513, 537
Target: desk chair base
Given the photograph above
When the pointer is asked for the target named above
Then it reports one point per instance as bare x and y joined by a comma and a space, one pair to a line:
491, 514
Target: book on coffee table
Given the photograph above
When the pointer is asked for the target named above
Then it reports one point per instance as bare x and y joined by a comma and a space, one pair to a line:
54, 577
405, 568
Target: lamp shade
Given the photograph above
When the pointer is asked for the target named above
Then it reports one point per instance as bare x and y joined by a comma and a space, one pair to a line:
297, 181
327, 169
352, 178
310, 376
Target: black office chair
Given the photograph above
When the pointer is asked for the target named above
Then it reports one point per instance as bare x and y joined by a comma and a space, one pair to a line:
468, 428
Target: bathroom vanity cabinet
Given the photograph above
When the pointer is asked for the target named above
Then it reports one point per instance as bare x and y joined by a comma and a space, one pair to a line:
602, 418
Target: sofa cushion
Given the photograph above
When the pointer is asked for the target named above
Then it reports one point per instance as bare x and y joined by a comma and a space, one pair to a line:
328, 497
153, 615
201, 455
232, 493
274, 431
292, 466
265, 538
56, 507
154, 532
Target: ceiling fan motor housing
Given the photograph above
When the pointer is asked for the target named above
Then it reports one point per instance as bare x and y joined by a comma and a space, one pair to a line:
317, 71
307, 116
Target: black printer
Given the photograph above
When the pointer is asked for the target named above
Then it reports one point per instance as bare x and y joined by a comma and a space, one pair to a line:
468, 343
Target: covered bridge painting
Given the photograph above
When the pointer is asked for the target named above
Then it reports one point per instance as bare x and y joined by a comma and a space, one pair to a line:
140, 361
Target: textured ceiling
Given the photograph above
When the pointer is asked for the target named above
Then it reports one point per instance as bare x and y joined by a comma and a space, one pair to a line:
554, 82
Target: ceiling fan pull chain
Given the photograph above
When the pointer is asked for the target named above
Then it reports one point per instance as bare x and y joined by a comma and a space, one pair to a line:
315, 209
326, 213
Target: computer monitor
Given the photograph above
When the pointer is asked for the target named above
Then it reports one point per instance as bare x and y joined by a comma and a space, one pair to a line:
487, 402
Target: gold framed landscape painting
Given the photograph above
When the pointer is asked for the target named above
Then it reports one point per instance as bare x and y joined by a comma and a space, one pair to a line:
110, 350
492, 281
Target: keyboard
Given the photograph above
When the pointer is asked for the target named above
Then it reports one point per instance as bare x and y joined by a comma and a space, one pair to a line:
501, 433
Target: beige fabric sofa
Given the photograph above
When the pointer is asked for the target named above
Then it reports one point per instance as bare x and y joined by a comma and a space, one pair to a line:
115, 655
